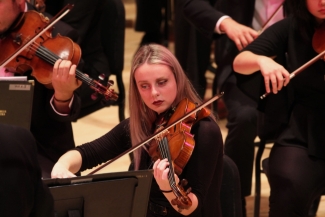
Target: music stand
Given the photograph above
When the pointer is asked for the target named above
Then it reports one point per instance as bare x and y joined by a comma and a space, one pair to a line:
122, 194
16, 102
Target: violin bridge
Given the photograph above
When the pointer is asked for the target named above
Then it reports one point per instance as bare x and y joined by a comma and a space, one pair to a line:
160, 136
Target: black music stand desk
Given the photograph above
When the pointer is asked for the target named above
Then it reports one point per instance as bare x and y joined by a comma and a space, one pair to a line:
121, 194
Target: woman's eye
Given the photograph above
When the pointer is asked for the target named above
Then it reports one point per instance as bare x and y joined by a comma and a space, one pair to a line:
144, 86
162, 82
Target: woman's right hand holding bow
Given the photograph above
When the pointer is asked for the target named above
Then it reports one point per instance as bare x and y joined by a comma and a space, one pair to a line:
274, 74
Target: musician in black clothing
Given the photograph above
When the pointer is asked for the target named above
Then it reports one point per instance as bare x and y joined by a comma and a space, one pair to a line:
227, 24
157, 85
296, 170
22, 192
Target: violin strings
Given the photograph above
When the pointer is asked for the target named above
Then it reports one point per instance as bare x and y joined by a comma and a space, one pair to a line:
51, 58
163, 147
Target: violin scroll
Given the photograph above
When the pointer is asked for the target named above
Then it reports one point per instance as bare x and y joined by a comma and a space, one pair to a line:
101, 89
182, 201
108, 93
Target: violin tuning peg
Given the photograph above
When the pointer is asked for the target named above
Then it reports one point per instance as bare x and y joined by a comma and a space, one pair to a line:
110, 83
184, 182
101, 77
188, 190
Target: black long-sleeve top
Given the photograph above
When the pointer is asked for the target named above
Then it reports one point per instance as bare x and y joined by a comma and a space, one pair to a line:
306, 90
23, 193
203, 170
53, 132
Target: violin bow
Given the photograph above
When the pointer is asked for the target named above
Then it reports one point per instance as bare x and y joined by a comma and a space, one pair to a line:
300, 69
271, 17
54, 20
214, 98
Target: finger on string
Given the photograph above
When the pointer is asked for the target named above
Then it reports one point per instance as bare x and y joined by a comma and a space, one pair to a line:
164, 174
56, 66
155, 164
163, 165
73, 68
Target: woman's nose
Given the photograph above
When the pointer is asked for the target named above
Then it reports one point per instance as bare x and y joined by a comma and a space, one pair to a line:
154, 91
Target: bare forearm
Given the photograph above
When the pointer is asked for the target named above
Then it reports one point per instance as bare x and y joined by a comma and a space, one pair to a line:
247, 63
71, 160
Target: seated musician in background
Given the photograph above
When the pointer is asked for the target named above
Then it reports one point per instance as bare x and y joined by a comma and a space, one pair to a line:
53, 109
22, 192
157, 86
85, 17
296, 170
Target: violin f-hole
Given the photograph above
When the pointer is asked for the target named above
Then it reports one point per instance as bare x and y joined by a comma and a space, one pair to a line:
23, 57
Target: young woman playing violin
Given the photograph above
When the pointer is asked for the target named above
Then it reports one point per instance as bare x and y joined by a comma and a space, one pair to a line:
158, 84
297, 160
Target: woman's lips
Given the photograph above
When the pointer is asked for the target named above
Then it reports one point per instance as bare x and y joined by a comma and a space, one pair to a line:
157, 103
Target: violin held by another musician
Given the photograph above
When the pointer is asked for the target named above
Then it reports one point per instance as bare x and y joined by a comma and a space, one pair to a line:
26, 51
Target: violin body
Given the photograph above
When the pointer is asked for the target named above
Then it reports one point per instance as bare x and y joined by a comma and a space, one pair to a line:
31, 58
177, 145
181, 141
18, 36
62, 47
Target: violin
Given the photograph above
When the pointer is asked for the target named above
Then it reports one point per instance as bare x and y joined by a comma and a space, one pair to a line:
176, 145
43, 52
318, 45
179, 137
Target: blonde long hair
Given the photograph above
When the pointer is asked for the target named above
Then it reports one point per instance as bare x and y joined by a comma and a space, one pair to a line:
141, 116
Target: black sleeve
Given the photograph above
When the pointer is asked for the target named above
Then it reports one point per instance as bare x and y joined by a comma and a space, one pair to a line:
21, 185
201, 14
106, 147
204, 169
66, 30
